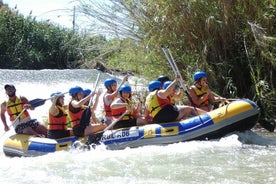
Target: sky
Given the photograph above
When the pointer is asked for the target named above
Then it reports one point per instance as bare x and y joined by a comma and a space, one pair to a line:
57, 11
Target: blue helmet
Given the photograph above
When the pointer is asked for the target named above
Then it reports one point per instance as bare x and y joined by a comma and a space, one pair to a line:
153, 85
166, 84
163, 78
86, 92
61, 95
75, 90
108, 82
125, 88
199, 75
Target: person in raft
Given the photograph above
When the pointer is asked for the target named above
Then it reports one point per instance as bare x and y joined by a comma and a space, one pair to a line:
76, 107
201, 94
122, 104
174, 97
16, 107
57, 121
110, 94
160, 107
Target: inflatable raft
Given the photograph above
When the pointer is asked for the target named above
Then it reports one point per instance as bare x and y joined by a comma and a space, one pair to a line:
238, 115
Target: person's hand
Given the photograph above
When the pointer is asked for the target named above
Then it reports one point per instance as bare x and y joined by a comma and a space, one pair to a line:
208, 92
7, 128
222, 99
125, 78
177, 78
56, 97
27, 106
99, 92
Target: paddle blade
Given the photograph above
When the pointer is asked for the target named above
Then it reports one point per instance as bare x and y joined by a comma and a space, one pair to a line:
85, 117
37, 102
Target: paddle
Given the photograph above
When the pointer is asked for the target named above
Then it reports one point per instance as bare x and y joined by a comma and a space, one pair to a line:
38, 101
18, 116
95, 138
169, 57
86, 114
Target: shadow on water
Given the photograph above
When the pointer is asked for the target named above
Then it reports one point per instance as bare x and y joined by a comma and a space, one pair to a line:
250, 137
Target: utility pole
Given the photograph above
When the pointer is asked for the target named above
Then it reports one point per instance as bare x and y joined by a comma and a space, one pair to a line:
74, 17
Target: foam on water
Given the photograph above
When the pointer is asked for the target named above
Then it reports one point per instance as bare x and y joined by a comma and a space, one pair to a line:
237, 158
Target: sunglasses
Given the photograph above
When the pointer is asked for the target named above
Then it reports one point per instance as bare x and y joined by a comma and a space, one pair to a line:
10, 89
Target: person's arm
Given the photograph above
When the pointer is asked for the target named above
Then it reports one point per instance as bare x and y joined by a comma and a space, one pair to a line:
54, 109
179, 95
216, 98
26, 104
95, 104
164, 93
94, 107
3, 117
117, 103
115, 93
194, 97
78, 104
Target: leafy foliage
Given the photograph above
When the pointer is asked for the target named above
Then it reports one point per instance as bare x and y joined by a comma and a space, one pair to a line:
28, 44
233, 41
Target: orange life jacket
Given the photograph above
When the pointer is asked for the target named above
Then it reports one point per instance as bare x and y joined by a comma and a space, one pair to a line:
58, 122
107, 109
75, 114
116, 113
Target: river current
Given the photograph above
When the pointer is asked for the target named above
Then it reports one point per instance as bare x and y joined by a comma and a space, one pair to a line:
239, 158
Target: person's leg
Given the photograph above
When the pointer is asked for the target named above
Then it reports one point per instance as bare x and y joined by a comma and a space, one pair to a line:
41, 129
29, 131
94, 128
141, 121
186, 111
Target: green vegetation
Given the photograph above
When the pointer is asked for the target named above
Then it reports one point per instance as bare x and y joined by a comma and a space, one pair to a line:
233, 41
28, 44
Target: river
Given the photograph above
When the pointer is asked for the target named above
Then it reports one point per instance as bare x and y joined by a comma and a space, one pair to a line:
238, 158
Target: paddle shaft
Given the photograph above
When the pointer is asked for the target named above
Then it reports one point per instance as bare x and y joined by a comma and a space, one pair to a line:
18, 116
169, 57
95, 87
38, 101
114, 122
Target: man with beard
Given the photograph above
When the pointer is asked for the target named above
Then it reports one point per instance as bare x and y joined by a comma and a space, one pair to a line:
16, 107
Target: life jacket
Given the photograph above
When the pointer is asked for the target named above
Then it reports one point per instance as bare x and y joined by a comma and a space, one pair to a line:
154, 103
75, 114
107, 109
14, 109
116, 113
58, 122
199, 93
172, 100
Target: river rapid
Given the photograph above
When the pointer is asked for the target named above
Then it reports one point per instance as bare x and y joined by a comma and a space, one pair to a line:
239, 158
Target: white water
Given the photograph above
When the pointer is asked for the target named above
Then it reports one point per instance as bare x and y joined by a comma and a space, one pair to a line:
238, 158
